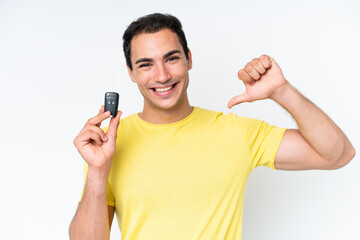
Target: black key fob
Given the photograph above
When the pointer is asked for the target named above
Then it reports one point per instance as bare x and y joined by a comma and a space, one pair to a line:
112, 103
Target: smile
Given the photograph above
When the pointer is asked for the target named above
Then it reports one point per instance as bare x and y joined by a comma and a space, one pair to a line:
165, 91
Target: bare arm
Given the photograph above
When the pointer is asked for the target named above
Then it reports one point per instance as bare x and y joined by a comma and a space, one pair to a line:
93, 217
111, 213
318, 143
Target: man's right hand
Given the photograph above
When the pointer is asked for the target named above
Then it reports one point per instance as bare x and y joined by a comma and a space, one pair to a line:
96, 147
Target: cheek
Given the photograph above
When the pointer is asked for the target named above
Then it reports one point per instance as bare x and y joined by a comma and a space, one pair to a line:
142, 78
178, 70
147, 75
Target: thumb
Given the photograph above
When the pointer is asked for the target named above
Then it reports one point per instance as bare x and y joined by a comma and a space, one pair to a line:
244, 97
113, 126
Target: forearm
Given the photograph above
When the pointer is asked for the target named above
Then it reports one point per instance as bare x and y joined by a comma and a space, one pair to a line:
91, 218
324, 136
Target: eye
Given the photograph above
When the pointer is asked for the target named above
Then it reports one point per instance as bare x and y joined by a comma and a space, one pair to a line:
144, 65
173, 58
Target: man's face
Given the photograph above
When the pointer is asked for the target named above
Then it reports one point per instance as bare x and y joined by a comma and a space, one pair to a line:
160, 68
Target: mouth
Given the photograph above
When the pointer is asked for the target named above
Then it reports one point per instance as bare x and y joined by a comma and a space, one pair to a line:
165, 91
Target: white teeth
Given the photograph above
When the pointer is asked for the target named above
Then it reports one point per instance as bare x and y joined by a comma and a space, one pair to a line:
163, 89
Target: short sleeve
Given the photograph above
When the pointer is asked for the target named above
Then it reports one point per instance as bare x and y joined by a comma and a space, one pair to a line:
263, 140
110, 196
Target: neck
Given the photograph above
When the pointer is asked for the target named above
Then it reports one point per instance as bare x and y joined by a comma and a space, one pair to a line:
156, 115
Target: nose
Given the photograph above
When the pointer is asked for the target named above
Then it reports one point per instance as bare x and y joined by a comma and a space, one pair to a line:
162, 74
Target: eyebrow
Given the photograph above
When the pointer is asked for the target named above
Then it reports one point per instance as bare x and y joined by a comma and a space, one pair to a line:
150, 59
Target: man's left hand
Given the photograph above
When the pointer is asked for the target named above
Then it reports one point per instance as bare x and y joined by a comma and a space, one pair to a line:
262, 77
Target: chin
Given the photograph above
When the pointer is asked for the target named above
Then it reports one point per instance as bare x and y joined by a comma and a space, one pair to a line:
166, 106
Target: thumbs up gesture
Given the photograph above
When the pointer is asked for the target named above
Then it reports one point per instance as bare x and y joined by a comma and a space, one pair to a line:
262, 77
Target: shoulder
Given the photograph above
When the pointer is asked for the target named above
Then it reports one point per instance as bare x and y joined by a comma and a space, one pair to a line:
231, 123
230, 118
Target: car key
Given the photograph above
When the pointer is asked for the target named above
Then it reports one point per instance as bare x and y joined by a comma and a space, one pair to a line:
112, 102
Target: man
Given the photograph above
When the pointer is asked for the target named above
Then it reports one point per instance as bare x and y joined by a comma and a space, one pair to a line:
175, 171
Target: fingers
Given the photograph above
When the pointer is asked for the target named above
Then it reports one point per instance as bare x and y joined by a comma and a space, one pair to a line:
98, 131
90, 133
239, 99
265, 61
99, 118
250, 74
113, 126
92, 136
245, 77
254, 69
249, 69
258, 66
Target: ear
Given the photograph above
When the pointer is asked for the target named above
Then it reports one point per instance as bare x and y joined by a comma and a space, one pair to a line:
131, 74
189, 60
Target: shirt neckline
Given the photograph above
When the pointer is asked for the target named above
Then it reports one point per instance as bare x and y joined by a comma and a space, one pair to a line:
180, 122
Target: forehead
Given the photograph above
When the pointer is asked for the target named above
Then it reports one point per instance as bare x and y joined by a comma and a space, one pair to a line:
152, 45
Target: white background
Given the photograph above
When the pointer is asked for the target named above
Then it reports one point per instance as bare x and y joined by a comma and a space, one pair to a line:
57, 59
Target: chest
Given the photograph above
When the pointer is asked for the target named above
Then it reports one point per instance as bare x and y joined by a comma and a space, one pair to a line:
181, 170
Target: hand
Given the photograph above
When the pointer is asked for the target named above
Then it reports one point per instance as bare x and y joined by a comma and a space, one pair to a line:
262, 77
96, 147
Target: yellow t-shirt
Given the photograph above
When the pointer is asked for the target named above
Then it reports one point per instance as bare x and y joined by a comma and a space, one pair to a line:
186, 180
